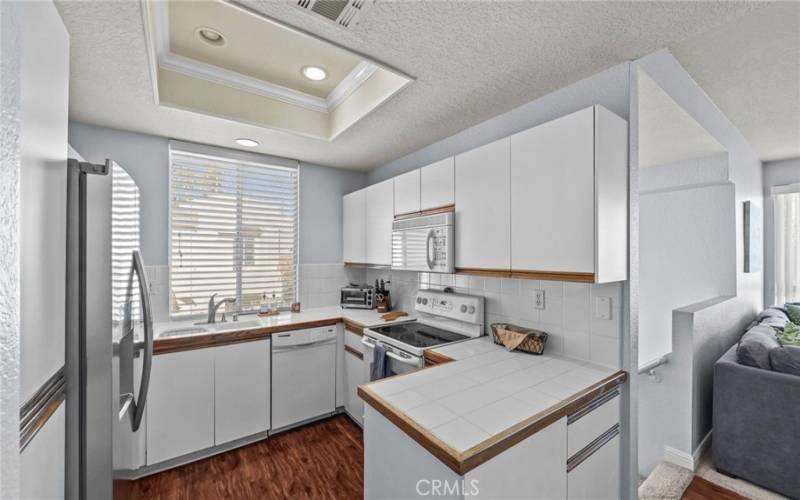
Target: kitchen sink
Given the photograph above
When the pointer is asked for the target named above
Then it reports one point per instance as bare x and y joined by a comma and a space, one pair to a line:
187, 330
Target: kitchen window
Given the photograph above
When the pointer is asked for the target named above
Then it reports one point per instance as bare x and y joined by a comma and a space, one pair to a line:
233, 229
124, 240
786, 203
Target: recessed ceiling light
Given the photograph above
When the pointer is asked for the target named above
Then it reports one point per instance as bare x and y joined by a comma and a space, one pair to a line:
314, 73
210, 36
250, 143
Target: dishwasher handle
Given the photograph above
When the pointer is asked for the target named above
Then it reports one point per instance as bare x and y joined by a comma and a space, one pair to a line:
284, 348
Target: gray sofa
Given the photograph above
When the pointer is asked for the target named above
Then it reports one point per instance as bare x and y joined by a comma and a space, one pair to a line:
757, 421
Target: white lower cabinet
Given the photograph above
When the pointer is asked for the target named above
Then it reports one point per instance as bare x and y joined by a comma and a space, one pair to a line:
241, 390
597, 477
353, 377
180, 404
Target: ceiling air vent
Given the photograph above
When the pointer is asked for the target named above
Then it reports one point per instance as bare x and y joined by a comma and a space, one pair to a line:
344, 13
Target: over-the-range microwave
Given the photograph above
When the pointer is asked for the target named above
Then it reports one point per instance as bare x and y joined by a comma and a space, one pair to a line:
424, 243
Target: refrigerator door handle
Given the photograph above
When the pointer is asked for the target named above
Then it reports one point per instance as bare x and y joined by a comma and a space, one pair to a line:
147, 361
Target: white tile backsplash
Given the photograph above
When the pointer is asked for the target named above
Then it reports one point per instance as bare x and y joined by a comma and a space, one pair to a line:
320, 284
568, 316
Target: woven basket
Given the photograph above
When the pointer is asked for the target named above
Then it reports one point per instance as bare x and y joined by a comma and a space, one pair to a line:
534, 341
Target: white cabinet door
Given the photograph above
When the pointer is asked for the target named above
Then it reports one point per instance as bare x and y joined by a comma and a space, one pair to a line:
597, 477
406, 193
241, 390
380, 215
180, 404
354, 376
354, 245
437, 182
552, 196
482, 207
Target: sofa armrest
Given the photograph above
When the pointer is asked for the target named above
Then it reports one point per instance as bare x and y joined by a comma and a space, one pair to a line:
756, 431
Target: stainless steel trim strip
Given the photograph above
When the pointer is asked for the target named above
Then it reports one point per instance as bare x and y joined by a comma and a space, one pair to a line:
589, 450
36, 411
593, 405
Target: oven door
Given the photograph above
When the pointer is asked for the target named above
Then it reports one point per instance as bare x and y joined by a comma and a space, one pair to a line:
354, 298
398, 361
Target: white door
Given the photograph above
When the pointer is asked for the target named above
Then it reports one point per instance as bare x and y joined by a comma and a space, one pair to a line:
437, 184
180, 406
482, 207
552, 196
354, 376
380, 215
406, 193
241, 390
36, 63
354, 246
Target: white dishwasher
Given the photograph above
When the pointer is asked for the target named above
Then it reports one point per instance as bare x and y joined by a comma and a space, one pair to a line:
303, 375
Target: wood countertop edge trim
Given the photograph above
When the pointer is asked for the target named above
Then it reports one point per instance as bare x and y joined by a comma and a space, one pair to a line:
461, 463
436, 358
192, 342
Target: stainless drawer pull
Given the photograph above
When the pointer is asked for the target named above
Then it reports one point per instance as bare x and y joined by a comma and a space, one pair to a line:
593, 405
578, 458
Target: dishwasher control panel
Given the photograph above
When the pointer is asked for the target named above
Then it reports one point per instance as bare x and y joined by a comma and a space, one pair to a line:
306, 336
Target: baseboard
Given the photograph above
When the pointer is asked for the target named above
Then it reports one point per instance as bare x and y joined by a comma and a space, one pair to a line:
686, 460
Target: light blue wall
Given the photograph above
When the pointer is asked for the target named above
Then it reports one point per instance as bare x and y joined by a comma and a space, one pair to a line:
776, 173
608, 88
146, 158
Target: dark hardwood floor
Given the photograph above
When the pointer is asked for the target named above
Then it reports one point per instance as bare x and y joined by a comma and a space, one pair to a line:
701, 489
320, 460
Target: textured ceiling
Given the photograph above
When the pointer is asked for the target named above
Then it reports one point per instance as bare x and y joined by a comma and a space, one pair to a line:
472, 61
667, 133
750, 68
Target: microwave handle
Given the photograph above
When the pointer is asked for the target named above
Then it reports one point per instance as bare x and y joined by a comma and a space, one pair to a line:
428, 248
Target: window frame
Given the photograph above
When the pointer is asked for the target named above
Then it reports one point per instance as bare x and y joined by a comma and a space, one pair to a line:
228, 155
775, 191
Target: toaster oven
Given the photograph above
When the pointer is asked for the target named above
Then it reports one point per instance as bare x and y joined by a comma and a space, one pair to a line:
358, 297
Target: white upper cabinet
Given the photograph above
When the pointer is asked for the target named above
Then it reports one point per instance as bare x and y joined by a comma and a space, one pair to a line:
407, 193
483, 219
569, 197
438, 184
379, 217
354, 243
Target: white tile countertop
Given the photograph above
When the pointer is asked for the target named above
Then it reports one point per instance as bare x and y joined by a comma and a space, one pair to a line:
485, 391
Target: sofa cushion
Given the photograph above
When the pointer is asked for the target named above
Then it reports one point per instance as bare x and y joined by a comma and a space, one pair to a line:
773, 316
786, 359
755, 345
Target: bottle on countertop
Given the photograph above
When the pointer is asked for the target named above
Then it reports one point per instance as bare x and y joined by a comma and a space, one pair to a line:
263, 308
274, 307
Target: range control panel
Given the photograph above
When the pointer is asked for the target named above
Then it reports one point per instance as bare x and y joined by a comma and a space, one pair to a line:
466, 308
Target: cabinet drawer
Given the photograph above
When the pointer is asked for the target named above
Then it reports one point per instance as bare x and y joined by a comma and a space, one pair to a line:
589, 422
595, 474
353, 341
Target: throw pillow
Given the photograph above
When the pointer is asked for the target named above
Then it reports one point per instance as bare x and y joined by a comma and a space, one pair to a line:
786, 359
793, 311
755, 345
790, 335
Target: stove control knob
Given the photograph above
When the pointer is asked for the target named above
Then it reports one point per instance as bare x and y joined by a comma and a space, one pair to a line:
463, 308
424, 302
419, 300
472, 309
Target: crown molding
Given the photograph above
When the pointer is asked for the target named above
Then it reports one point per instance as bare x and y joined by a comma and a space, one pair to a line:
157, 35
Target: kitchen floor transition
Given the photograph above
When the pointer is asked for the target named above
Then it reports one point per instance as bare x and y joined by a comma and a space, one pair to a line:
321, 460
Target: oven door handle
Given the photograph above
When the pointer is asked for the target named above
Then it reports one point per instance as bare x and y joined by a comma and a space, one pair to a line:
412, 361
367, 343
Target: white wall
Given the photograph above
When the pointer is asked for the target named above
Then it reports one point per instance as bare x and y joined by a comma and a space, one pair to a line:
743, 183
776, 173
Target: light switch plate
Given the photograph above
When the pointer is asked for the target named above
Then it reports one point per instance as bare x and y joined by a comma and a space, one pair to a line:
602, 307
538, 299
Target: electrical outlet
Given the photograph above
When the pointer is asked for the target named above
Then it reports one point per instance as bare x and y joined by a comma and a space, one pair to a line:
602, 307
538, 299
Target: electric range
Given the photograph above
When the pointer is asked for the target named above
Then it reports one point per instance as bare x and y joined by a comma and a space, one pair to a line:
444, 318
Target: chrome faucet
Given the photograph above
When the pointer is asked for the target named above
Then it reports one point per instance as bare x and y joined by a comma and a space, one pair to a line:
212, 308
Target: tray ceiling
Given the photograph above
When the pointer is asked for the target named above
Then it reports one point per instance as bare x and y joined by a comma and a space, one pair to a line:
471, 61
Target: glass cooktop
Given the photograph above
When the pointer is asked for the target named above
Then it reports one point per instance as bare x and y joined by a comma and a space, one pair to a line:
418, 335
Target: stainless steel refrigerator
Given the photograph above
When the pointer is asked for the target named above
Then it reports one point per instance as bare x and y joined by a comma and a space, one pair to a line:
109, 335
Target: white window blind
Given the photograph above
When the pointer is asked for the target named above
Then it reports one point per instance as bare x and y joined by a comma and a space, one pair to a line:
124, 239
786, 201
233, 231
